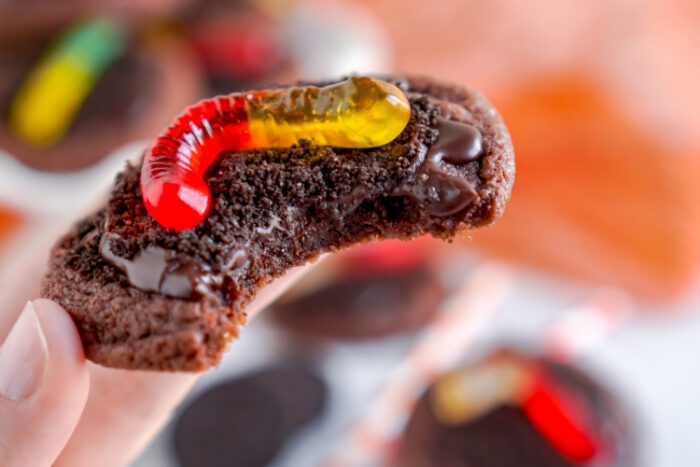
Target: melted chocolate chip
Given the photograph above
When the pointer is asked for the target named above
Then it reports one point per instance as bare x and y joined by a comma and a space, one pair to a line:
443, 193
447, 194
153, 270
180, 280
156, 269
457, 143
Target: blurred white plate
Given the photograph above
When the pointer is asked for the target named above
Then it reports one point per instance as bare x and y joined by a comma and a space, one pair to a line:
32, 191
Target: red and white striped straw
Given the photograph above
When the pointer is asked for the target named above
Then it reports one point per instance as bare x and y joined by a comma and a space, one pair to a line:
372, 437
583, 327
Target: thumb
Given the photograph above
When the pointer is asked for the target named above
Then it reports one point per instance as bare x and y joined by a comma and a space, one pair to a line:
126, 408
43, 385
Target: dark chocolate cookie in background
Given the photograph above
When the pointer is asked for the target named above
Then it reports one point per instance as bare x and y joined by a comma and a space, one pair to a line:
23, 20
506, 411
371, 291
245, 422
132, 101
146, 297
238, 42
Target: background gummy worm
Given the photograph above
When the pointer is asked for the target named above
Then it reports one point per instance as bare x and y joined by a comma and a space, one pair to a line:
553, 412
359, 112
48, 100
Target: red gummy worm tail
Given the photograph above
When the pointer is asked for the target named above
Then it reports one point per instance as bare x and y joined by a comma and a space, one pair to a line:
172, 177
560, 421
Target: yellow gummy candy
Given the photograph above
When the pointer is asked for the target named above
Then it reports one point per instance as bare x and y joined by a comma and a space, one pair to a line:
49, 100
359, 112
63, 85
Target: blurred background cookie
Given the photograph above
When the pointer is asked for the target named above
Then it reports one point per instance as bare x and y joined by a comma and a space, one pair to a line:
246, 421
72, 99
370, 291
239, 43
21, 20
513, 409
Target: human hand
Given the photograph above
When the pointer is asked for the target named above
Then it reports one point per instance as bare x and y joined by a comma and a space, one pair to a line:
58, 409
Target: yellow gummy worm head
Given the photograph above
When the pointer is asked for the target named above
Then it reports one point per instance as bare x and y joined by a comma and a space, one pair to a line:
468, 394
381, 111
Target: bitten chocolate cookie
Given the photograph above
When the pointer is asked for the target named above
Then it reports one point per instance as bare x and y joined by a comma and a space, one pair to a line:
148, 297
516, 410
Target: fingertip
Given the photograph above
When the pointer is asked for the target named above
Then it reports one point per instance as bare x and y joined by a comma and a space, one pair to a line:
61, 334
45, 382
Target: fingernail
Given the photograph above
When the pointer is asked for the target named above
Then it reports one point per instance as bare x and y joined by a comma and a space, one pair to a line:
23, 357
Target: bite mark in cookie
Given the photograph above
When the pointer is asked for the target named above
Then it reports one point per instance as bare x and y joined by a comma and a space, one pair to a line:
151, 298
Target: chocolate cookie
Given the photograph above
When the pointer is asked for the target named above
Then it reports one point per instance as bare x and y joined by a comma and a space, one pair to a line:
366, 306
246, 422
151, 298
514, 410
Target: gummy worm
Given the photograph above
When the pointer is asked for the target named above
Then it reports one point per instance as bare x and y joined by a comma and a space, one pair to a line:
359, 112
550, 409
48, 100
556, 417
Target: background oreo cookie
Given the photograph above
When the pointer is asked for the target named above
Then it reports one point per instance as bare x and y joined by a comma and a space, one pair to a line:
246, 421
365, 306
